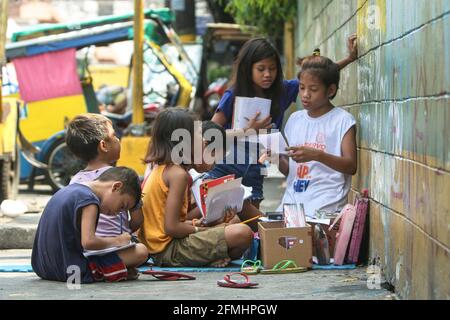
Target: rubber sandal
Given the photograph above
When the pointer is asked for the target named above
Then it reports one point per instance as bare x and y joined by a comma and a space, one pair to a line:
228, 283
251, 267
284, 266
168, 275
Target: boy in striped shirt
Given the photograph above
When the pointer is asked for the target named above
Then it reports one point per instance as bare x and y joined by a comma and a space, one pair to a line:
91, 137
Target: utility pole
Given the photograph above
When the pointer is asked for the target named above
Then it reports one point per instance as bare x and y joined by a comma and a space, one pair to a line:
185, 24
138, 31
3, 25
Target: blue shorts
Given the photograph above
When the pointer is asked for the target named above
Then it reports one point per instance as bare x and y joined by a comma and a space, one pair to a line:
250, 173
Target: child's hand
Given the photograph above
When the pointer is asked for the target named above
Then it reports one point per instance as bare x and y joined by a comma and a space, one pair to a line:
304, 154
265, 123
228, 218
230, 213
352, 46
268, 155
200, 222
123, 239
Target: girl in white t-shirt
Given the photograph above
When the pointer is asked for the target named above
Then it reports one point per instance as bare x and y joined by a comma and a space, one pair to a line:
322, 155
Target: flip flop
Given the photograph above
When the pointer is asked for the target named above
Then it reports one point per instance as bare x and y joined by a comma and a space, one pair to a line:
251, 267
228, 283
168, 275
284, 266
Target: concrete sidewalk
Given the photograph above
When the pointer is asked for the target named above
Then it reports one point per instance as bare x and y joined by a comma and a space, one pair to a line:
326, 285
19, 233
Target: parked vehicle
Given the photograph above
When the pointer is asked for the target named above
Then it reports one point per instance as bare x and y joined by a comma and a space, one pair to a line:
9, 160
169, 79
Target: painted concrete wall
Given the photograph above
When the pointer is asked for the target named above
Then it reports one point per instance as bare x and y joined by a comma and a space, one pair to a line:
399, 92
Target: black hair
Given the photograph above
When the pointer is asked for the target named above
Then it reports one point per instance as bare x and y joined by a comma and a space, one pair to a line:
321, 67
253, 51
84, 133
161, 144
129, 178
207, 125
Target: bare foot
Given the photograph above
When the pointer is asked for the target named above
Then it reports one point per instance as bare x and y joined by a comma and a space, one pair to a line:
220, 263
133, 274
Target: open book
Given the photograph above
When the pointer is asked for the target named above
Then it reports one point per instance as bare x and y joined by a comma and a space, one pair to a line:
213, 197
102, 252
246, 108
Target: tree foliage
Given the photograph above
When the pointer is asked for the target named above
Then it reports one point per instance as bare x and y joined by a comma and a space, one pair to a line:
268, 16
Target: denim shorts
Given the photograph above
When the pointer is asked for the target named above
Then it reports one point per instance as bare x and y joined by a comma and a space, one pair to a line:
250, 173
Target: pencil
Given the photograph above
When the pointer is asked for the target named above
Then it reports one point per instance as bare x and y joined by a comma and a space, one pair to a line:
251, 219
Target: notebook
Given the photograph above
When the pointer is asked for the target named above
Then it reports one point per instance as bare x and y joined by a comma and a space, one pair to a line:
102, 252
205, 188
245, 108
212, 197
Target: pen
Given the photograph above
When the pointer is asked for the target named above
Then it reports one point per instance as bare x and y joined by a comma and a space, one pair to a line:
247, 119
121, 230
251, 219
199, 177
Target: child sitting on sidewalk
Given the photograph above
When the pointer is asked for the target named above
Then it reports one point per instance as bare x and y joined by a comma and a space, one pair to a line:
214, 135
67, 227
91, 137
169, 239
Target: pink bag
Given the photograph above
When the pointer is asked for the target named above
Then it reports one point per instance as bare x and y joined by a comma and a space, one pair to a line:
361, 204
347, 214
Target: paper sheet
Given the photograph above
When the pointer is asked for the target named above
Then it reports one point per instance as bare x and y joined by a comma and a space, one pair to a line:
217, 203
320, 221
197, 181
275, 142
229, 194
246, 108
102, 252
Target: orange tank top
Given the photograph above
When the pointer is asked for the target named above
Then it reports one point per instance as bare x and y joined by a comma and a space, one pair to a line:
152, 233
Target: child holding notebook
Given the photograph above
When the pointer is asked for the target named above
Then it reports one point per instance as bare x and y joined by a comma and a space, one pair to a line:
258, 73
67, 228
171, 239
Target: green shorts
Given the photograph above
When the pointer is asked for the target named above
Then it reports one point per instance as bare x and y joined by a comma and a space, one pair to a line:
196, 250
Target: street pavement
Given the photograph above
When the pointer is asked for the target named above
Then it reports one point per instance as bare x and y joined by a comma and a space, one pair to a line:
314, 284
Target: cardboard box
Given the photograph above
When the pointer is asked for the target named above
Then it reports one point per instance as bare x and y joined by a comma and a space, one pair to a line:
280, 243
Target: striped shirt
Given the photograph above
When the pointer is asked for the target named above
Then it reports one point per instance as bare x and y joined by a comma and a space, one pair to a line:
108, 226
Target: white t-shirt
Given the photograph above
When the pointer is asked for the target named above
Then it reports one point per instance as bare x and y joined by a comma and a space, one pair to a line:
313, 183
